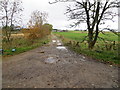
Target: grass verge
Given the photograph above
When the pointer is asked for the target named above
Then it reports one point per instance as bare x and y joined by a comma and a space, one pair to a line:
22, 45
99, 52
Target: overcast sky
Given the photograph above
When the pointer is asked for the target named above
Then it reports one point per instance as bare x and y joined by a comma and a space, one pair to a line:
55, 11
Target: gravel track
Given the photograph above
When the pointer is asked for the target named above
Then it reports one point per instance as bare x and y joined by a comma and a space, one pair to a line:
54, 66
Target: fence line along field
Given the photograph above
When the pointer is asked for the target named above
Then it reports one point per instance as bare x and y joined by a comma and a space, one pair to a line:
105, 50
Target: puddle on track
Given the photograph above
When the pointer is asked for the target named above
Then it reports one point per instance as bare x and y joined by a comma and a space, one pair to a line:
59, 44
83, 60
50, 60
58, 41
61, 48
53, 41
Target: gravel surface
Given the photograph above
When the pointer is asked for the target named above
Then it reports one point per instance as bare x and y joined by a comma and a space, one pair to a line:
54, 66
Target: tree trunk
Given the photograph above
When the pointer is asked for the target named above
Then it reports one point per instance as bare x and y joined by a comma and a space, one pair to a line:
91, 44
92, 39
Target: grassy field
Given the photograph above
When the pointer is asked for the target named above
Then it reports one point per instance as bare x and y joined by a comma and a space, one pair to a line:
22, 44
103, 51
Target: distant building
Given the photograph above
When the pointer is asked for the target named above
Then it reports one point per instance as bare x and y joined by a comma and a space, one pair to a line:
64, 30
58, 30
76, 30
55, 30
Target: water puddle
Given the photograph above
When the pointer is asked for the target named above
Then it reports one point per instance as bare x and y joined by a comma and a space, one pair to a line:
59, 44
50, 60
53, 41
58, 41
82, 59
61, 48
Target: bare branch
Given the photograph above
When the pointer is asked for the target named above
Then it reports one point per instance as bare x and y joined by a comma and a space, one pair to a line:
84, 39
112, 30
102, 39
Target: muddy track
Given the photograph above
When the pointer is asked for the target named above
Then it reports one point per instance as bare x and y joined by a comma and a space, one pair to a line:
54, 66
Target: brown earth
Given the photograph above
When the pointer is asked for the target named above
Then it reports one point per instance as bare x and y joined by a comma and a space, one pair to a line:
54, 66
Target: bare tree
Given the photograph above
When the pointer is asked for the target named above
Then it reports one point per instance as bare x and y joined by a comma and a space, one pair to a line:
38, 18
36, 23
10, 15
93, 13
15, 11
4, 12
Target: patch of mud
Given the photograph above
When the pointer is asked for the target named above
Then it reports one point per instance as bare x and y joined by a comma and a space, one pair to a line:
41, 52
61, 48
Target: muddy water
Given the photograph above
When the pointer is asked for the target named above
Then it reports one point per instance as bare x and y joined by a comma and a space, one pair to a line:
53, 41
59, 44
50, 60
61, 48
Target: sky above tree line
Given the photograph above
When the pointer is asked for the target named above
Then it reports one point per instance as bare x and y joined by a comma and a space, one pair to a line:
56, 15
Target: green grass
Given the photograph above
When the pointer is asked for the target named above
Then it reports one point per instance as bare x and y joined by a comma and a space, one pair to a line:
72, 35
79, 36
22, 45
99, 52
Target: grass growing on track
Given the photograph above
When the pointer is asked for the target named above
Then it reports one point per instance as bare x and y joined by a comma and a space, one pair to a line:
99, 52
